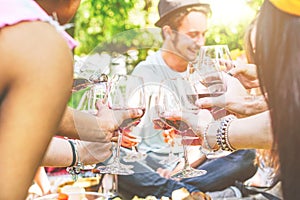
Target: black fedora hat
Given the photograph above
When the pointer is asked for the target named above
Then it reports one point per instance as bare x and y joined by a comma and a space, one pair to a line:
168, 7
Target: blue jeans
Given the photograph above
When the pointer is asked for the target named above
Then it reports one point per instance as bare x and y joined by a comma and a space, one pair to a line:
221, 173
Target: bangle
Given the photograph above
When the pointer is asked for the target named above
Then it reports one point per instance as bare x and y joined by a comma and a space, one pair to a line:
75, 169
222, 133
73, 153
205, 138
206, 148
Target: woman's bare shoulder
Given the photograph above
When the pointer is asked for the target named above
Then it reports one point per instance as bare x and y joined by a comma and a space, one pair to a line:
33, 48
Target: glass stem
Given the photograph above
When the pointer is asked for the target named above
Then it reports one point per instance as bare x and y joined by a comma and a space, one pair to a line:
116, 190
120, 135
185, 156
171, 151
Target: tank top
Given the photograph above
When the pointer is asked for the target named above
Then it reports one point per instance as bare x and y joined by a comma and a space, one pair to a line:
16, 11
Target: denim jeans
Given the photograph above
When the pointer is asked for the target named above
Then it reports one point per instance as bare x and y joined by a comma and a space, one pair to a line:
221, 173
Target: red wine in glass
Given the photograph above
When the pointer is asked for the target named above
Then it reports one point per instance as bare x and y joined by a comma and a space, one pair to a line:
175, 122
160, 124
129, 122
216, 111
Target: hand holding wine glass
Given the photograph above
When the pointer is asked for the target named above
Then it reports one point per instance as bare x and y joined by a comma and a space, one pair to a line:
168, 134
210, 83
126, 93
131, 141
177, 99
214, 86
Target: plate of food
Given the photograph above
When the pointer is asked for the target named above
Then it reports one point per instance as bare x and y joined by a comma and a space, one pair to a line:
73, 196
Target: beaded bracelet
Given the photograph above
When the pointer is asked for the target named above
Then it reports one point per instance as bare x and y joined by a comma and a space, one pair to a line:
206, 148
222, 133
75, 169
205, 137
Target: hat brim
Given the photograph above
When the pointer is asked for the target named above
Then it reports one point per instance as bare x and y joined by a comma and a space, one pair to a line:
164, 18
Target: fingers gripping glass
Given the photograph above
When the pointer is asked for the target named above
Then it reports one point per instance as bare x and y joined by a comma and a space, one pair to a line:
125, 93
174, 102
211, 84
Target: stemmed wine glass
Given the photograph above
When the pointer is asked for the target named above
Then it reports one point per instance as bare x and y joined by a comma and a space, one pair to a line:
134, 155
170, 140
125, 92
177, 98
211, 84
97, 90
168, 133
93, 91
218, 53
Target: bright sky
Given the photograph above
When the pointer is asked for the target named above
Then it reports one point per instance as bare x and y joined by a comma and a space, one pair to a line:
224, 12
230, 11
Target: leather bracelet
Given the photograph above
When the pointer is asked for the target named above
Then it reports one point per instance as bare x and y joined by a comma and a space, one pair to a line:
73, 153
75, 169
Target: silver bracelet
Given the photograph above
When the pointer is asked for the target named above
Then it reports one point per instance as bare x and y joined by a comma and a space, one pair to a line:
75, 169
205, 137
206, 148
222, 133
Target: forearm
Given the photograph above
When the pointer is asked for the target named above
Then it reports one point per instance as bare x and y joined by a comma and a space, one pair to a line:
81, 125
67, 126
252, 132
244, 106
59, 153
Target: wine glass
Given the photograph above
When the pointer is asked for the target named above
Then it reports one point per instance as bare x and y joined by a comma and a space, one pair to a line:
210, 84
170, 140
109, 186
177, 98
92, 92
135, 155
218, 53
168, 133
126, 92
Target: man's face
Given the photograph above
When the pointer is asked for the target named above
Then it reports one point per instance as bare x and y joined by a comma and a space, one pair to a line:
190, 35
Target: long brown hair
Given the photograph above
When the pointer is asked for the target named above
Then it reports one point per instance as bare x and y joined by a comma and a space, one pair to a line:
248, 43
278, 61
265, 157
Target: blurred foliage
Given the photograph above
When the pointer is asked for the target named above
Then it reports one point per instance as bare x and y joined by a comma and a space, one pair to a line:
99, 20
255, 4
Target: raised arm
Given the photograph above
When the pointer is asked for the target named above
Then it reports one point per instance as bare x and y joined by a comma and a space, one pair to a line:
236, 99
95, 128
35, 84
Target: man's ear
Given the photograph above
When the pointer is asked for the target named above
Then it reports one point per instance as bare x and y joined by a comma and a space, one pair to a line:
167, 31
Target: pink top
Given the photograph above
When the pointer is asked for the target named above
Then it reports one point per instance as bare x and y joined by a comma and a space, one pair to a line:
15, 11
